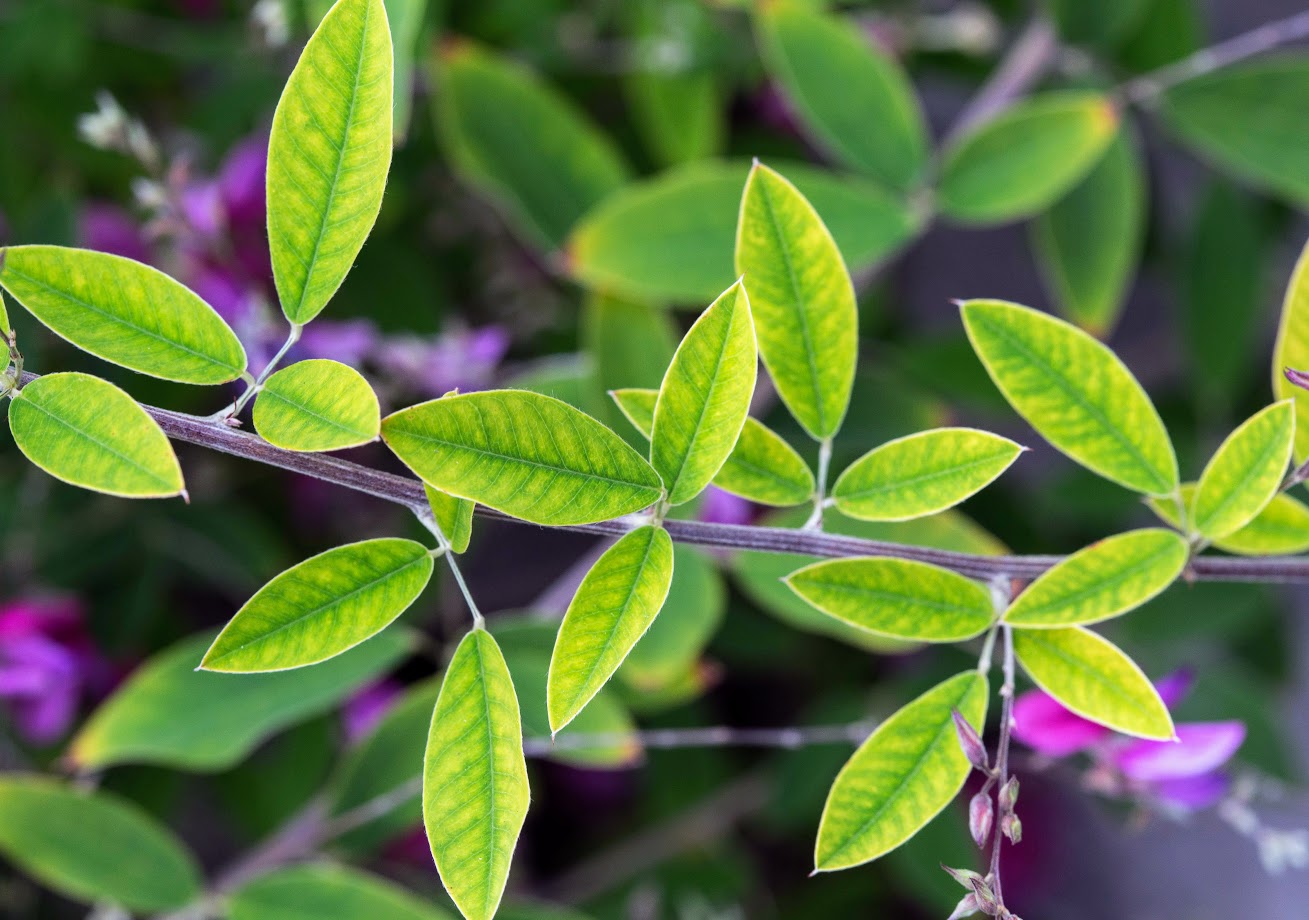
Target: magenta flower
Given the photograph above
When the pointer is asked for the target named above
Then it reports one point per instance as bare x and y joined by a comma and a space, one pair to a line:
719, 507
457, 360
108, 228
1186, 773
47, 665
367, 707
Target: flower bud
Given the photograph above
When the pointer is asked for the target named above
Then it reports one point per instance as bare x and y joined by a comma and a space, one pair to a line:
986, 900
1009, 796
965, 877
965, 908
1011, 827
1299, 378
981, 817
970, 742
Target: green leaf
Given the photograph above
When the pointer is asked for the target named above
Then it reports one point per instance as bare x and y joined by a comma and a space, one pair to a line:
900, 598
87, 432
613, 607
93, 846
802, 298
453, 515
1280, 529
850, 95
5, 328
521, 143
901, 777
1089, 243
1091, 677
1101, 25
407, 19
328, 155
1106, 579
688, 620
170, 714
124, 312
1292, 351
1023, 160
922, 474
315, 891
670, 238
475, 791
317, 405
1075, 392
762, 467
527, 455
1245, 472
705, 397
322, 607
1246, 119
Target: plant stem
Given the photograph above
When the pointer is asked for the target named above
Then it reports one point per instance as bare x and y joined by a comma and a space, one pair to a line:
1002, 754
250, 391
815, 521
1028, 59
425, 516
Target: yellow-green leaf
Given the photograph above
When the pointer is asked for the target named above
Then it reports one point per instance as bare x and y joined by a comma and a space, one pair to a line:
323, 890
922, 474
453, 515
1106, 579
762, 467
475, 790
317, 405
525, 454
901, 777
1020, 162
613, 607
705, 396
1075, 392
900, 598
87, 432
124, 312
93, 846
1280, 529
1245, 472
1092, 677
322, 607
522, 143
328, 155
850, 95
1292, 350
802, 298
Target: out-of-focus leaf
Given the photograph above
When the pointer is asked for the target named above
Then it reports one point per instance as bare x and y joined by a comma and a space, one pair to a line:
1026, 158
521, 143
328, 155
630, 344
1075, 392
301, 892
453, 515
87, 432
1280, 529
901, 777
851, 96
317, 405
1097, 24
170, 714
1245, 472
1167, 31
1089, 243
475, 791
669, 239
93, 846
691, 614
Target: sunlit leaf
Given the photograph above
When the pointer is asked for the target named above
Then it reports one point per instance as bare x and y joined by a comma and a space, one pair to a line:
705, 396
520, 142
1104, 580
1292, 350
1245, 472
669, 239
922, 474
317, 405
124, 312
849, 94
527, 455
1092, 677
1075, 392
328, 155
691, 614
802, 299
762, 467
901, 777
1026, 158
900, 598
93, 846
87, 432
1089, 243
322, 890
170, 714
1280, 529
453, 515
322, 607
613, 607
475, 791
1245, 119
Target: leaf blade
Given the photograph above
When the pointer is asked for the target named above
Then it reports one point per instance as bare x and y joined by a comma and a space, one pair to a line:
453, 515
1245, 472
317, 405
325, 890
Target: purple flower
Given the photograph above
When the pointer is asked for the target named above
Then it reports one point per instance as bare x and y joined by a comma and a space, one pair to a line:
1186, 773
47, 664
108, 228
347, 341
458, 360
367, 707
721, 507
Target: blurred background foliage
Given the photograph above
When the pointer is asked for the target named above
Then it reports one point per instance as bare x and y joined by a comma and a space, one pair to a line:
566, 181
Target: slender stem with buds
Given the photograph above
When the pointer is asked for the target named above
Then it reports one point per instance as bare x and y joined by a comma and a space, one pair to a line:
1002, 753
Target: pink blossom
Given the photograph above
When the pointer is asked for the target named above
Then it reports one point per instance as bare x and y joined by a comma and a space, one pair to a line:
367, 707
719, 507
109, 228
47, 665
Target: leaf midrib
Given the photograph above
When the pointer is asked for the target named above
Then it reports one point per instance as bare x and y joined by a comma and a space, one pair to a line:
1072, 600
1252, 473
911, 481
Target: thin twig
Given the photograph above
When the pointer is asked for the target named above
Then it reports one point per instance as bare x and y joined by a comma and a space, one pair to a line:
1002, 755
1027, 61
